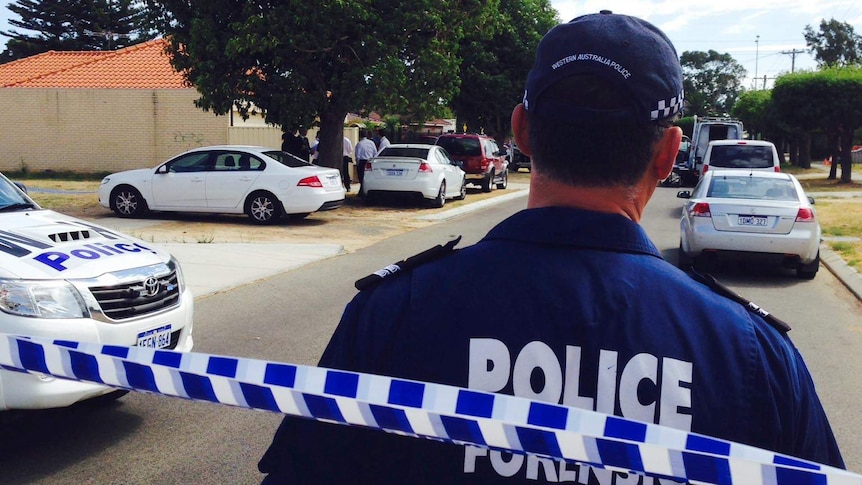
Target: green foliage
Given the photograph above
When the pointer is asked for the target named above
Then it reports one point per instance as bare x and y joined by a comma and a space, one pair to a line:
686, 124
835, 45
307, 62
757, 113
67, 25
495, 63
712, 82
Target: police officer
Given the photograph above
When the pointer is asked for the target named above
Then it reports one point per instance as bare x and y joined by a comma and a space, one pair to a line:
602, 321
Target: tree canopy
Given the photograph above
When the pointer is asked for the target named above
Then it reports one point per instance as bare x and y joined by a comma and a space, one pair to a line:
835, 44
304, 62
830, 99
495, 63
67, 25
757, 113
712, 82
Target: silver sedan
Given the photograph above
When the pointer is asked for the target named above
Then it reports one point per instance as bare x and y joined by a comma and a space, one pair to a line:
750, 215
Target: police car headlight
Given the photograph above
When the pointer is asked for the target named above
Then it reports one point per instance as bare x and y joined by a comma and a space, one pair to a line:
181, 280
41, 299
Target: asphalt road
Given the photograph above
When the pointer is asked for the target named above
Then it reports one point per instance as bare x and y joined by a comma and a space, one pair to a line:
145, 439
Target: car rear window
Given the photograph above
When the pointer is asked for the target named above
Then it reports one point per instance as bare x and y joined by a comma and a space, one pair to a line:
741, 156
391, 151
752, 188
460, 146
287, 159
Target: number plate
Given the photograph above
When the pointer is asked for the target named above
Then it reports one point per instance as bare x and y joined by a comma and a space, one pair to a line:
752, 221
156, 338
394, 172
332, 181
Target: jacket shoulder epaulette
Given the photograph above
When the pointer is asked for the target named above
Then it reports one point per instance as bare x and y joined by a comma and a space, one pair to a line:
726, 292
412, 262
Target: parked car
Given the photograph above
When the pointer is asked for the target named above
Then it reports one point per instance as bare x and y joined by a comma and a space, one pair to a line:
751, 154
66, 278
751, 215
225, 179
480, 157
425, 171
517, 160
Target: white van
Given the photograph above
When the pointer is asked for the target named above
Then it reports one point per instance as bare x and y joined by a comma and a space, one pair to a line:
66, 278
745, 154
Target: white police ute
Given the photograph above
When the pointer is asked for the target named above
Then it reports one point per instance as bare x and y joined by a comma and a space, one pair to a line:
66, 278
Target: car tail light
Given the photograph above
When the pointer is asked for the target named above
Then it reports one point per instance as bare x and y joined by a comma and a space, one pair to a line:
312, 181
368, 167
484, 163
705, 168
425, 168
777, 168
805, 215
701, 209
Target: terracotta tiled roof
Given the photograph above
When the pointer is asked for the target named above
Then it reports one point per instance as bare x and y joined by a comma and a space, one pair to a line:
141, 66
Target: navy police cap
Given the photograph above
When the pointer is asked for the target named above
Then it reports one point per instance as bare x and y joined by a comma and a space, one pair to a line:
633, 55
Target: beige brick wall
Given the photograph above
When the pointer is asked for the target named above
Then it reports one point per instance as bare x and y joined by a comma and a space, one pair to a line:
101, 130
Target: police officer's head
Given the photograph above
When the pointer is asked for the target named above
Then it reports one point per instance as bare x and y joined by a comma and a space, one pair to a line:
602, 91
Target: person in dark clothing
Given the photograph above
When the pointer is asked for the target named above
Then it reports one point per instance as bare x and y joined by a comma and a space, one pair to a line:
296, 143
599, 324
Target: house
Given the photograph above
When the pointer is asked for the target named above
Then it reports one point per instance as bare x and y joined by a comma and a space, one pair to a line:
107, 111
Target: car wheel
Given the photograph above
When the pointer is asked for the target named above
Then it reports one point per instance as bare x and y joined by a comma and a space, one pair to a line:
504, 182
684, 261
488, 182
263, 208
126, 201
440, 201
809, 271
462, 194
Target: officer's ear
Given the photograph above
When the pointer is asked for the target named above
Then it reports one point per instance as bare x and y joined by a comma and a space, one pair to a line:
521, 130
665, 151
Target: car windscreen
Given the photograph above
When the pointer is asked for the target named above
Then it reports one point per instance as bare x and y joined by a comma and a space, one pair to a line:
10, 196
741, 156
391, 151
468, 147
745, 187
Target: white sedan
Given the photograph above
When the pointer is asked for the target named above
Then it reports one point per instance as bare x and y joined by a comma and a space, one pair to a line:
426, 171
226, 179
745, 214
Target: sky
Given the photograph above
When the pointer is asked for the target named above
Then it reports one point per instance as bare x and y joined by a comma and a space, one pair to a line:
759, 34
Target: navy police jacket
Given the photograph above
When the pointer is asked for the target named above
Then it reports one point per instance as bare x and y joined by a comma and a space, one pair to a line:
565, 306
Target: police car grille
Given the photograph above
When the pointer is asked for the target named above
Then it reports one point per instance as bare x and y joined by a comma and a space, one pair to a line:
130, 300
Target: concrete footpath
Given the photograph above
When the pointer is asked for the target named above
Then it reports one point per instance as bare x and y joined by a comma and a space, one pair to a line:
211, 268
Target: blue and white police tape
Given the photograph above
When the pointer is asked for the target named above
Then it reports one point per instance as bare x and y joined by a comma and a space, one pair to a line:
420, 409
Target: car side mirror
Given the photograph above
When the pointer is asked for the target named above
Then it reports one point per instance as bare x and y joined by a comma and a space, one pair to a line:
811, 200
684, 194
21, 186
162, 169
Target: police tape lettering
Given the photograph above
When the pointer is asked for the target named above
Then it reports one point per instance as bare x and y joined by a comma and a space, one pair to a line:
420, 409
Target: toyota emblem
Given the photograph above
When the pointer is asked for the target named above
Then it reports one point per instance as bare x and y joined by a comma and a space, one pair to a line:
151, 287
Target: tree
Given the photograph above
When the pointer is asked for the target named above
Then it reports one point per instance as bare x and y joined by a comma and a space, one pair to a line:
835, 45
711, 82
301, 63
757, 112
496, 60
829, 100
73, 25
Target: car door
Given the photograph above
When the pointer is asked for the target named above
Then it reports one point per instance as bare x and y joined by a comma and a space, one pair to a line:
180, 184
231, 178
450, 171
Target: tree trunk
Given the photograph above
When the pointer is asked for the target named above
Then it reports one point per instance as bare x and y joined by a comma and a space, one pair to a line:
331, 145
846, 156
794, 150
834, 140
805, 150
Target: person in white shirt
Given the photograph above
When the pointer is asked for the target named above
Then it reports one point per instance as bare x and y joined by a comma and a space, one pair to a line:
345, 165
365, 151
384, 142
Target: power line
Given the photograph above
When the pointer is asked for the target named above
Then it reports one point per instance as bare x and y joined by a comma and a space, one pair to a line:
792, 53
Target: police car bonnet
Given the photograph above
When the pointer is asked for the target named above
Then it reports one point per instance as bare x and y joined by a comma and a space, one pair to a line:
631, 54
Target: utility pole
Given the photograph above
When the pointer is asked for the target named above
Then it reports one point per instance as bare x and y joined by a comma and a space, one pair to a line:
756, 58
792, 53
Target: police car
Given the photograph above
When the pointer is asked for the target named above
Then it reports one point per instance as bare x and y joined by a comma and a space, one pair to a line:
67, 278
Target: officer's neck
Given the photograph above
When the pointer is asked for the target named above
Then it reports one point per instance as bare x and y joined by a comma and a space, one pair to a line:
625, 201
